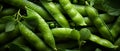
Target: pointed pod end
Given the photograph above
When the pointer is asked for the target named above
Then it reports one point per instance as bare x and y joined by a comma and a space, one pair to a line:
55, 49
115, 47
83, 24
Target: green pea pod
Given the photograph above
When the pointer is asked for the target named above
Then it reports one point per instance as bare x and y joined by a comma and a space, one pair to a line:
85, 34
65, 33
28, 25
117, 43
16, 47
93, 29
59, 33
20, 40
107, 18
88, 21
32, 38
31, 5
99, 23
79, 8
6, 37
54, 11
98, 49
43, 28
72, 12
8, 12
102, 42
60, 8
98, 40
19, 43
115, 28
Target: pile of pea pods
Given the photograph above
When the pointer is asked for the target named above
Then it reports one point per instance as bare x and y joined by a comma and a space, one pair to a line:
57, 25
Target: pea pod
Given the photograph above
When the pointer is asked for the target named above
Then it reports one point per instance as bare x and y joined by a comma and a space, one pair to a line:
42, 27
88, 21
102, 42
72, 12
54, 11
79, 8
28, 25
20, 41
6, 37
8, 12
107, 18
115, 28
99, 23
98, 40
35, 7
65, 33
33, 39
85, 34
117, 43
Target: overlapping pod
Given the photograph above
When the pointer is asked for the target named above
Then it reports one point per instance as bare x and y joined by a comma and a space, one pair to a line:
72, 12
55, 12
42, 27
115, 30
102, 42
98, 22
35, 7
32, 38
6, 37
97, 39
65, 33
8, 11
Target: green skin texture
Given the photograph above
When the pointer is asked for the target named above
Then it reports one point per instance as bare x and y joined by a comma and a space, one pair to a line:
32, 38
97, 39
35, 7
55, 12
8, 37
101, 41
30, 27
19, 40
99, 23
79, 8
43, 27
72, 12
105, 17
116, 28
21, 43
8, 11
65, 33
